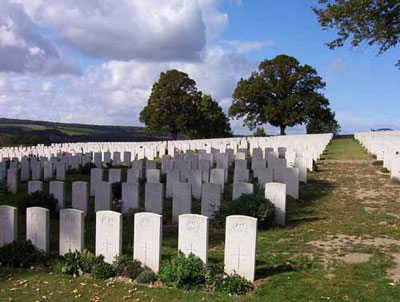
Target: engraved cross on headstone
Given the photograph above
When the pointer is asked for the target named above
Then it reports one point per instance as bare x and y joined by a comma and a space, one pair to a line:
239, 256
145, 248
190, 249
106, 244
70, 241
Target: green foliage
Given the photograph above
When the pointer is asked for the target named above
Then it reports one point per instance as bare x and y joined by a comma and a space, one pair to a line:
254, 205
171, 106
20, 254
86, 168
146, 277
117, 190
320, 118
260, 132
212, 121
234, 285
76, 263
183, 272
374, 22
277, 93
37, 199
125, 266
71, 264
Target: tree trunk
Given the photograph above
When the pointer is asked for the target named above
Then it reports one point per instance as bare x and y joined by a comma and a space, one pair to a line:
283, 128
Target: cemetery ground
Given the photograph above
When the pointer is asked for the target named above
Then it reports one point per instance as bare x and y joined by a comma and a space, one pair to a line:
341, 243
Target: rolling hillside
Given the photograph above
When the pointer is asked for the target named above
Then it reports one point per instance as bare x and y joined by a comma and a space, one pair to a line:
27, 132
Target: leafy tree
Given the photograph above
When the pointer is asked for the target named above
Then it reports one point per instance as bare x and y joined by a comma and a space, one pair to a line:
277, 93
324, 123
260, 132
376, 22
212, 121
171, 107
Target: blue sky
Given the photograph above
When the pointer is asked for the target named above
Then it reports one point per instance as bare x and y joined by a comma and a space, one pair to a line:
95, 61
363, 88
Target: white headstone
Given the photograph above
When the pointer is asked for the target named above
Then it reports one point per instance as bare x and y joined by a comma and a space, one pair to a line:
240, 246
35, 186
240, 188
96, 177
133, 175
181, 200
195, 179
173, 176
71, 231
108, 235
210, 198
37, 227
8, 224
57, 189
114, 176
153, 176
12, 180
80, 196
153, 197
217, 177
291, 179
103, 197
147, 240
130, 196
276, 193
60, 174
193, 235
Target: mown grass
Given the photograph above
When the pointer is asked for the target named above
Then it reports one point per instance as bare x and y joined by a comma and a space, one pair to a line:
346, 196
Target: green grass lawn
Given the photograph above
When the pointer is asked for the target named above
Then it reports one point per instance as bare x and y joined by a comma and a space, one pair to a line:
339, 244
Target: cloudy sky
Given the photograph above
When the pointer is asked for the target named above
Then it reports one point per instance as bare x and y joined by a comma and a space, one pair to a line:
95, 61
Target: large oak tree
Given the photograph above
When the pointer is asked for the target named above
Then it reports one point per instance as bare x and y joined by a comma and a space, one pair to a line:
376, 22
278, 93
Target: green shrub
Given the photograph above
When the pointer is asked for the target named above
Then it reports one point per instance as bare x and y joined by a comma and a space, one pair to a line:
117, 190
77, 263
71, 264
254, 205
126, 267
85, 169
103, 270
234, 285
378, 163
20, 254
146, 277
37, 199
183, 272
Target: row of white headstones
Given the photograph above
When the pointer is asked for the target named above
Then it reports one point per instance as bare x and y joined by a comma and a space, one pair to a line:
386, 146
240, 236
307, 146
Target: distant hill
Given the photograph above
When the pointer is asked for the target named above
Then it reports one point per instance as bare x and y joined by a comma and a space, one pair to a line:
27, 132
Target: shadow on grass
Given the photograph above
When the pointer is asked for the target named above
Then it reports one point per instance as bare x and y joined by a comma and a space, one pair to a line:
265, 272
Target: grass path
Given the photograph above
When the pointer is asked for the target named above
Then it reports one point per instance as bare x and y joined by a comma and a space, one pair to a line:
342, 243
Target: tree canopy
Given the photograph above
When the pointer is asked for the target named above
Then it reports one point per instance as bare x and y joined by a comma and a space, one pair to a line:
171, 107
212, 122
376, 22
176, 106
278, 93
320, 118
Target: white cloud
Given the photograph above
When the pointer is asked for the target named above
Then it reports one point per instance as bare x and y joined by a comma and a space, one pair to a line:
155, 30
23, 49
248, 46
